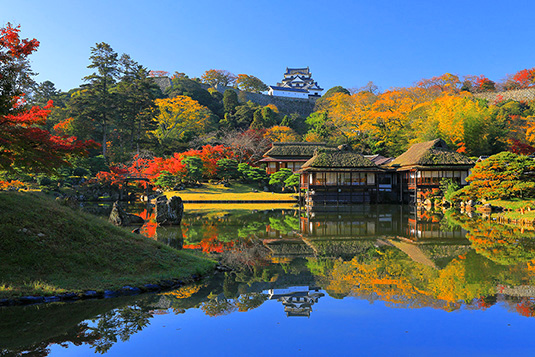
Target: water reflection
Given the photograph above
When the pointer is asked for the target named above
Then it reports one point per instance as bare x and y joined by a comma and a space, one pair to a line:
394, 254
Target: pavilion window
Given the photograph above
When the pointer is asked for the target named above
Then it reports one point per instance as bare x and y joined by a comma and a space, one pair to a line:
331, 178
345, 179
370, 178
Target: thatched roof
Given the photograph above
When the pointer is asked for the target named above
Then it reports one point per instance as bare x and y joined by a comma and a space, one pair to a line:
342, 158
431, 153
292, 149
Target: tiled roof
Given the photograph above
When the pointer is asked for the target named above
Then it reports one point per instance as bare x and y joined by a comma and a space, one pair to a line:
297, 70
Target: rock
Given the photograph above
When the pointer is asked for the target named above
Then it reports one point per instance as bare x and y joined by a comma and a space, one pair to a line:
151, 287
90, 294
120, 217
128, 290
69, 296
41, 235
31, 299
169, 211
110, 293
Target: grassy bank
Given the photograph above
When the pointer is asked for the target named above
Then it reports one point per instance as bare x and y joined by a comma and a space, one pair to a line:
235, 192
47, 248
516, 209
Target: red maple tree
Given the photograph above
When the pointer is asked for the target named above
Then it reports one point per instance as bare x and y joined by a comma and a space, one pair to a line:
23, 141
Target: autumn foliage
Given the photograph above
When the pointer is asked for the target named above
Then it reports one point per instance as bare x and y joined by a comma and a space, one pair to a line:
23, 141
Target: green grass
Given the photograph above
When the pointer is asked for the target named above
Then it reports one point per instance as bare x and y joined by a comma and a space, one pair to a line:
514, 208
236, 192
514, 203
47, 248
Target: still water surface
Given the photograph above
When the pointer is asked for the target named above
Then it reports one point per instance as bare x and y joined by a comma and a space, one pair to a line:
378, 280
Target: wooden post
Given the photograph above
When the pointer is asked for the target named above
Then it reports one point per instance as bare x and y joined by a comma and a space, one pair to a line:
416, 186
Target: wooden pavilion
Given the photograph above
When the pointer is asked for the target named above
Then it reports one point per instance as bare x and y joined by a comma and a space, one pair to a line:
424, 165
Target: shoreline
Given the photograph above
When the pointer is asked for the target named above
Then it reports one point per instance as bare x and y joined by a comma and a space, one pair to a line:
162, 285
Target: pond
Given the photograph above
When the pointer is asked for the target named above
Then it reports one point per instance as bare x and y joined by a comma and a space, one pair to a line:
368, 280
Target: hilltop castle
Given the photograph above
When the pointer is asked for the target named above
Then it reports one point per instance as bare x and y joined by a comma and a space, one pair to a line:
297, 83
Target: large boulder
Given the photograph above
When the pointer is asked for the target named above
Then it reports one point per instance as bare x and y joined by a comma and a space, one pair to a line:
120, 217
169, 211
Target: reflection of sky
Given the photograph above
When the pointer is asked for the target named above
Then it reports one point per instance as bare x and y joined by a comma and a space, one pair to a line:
347, 327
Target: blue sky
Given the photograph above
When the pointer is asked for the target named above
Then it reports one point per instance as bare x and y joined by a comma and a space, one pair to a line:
392, 43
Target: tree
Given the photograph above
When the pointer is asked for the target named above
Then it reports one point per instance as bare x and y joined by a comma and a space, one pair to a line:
185, 86
478, 84
136, 93
258, 120
520, 80
24, 144
219, 77
445, 83
248, 146
370, 87
98, 102
43, 92
15, 72
194, 168
292, 181
281, 134
250, 84
504, 175
278, 178
178, 116
322, 102
253, 174
269, 116
230, 101
227, 169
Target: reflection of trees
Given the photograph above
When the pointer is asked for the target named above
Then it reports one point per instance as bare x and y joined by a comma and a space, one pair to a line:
218, 306
118, 324
398, 280
36, 328
285, 224
250, 301
503, 244
246, 254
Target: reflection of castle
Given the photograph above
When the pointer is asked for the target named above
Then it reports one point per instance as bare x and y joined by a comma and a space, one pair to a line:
297, 300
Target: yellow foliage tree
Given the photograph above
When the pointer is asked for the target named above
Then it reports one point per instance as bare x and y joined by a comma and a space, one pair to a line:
282, 134
179, 115
450, 114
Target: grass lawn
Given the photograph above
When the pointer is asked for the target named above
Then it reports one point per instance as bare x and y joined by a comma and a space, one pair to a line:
236, 192
47, 248
514, 207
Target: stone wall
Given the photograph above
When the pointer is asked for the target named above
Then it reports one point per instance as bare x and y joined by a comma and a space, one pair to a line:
303, 107
518, 95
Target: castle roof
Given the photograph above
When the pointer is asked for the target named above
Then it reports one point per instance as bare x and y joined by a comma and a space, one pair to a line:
430, 153
291, 71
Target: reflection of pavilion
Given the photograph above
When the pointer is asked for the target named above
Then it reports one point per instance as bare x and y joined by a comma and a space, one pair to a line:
297, 300
334, 234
